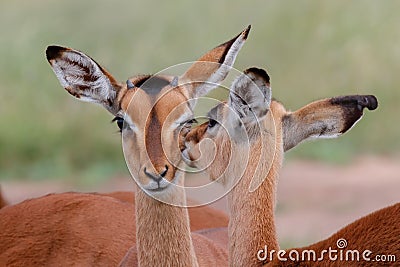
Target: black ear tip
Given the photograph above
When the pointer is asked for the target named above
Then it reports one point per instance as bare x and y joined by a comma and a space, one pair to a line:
54, 51
258, 72
367, 101
372, 102
360, 101
246, 32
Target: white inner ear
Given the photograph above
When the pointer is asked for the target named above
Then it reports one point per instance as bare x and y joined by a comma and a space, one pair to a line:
221, 73
256, 92
79, 73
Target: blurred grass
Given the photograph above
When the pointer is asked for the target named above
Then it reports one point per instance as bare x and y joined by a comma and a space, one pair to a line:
311, 49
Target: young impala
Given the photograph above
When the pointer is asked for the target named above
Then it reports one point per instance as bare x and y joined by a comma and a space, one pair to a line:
155, 111
249, 135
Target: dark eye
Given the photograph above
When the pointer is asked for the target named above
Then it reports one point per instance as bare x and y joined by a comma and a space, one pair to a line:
120, 122
211, 123
186, 126
191, 121
188, 123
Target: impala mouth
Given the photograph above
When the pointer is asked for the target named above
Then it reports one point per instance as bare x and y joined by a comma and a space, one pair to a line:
187, 159
160, 187
157, 190
185, 154
157, 186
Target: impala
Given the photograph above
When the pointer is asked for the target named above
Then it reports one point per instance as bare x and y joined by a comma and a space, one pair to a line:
154, 114
156, 111
249, 135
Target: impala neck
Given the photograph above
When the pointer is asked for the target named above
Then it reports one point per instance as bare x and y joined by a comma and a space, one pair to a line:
163, 231
252, 223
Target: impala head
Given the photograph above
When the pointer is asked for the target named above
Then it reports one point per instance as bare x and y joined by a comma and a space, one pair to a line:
250, 113
234, 127
153, 112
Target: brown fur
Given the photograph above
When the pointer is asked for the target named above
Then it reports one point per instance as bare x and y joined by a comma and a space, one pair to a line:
77, 229
378, 232
73, 229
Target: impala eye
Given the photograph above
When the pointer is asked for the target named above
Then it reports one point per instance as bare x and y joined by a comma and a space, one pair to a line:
190, 122
211, 123
186, 126
120, 122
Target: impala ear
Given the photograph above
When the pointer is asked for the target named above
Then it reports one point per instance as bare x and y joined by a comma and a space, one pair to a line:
83, 78
327, 118
213, 67
250, 96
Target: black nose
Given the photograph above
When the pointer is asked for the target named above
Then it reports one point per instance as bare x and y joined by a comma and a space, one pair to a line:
367, 101
156, 177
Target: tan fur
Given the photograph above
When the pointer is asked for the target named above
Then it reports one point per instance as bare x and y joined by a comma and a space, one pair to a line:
248, 232
252, 223
244, 204
205, 243
203, 217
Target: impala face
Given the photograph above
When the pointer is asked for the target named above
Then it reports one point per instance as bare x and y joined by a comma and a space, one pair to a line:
154, 113
151, 134
209, 146
222, 145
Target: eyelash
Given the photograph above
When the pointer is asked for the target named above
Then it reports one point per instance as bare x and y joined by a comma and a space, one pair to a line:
192, 121
120, 123
188, 123
186, 126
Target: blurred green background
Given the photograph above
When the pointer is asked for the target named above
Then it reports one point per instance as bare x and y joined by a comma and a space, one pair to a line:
312, 50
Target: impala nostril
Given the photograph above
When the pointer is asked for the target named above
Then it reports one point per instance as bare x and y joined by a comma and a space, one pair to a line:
156, 178
164, 172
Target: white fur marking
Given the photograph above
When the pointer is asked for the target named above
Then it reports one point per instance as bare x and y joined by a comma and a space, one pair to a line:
71, 76
223, 70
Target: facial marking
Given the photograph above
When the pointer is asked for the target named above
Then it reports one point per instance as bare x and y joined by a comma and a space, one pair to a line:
157, 120
152, 135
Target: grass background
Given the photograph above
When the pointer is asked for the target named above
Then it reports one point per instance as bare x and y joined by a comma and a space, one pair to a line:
312, 50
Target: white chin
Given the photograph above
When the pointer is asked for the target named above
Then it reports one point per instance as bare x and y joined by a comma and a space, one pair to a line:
154, 186
186, 158
167, 192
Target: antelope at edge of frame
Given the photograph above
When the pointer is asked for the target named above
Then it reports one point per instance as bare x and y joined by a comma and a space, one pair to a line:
270, 130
